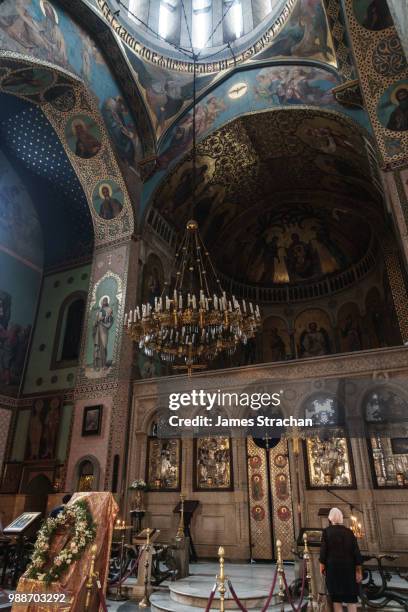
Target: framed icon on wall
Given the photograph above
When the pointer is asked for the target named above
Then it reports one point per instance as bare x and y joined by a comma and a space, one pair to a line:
92, 420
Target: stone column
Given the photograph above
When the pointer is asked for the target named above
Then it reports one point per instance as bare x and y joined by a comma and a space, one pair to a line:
398, 287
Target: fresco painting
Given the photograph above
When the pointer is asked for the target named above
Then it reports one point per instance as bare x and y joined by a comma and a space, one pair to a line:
276, 340
392, 108
83, 136
21, 261
102, 325
165, 92
373, 14
314, 334
28, 81
281, 247
108, 199
268, 87
350, 328
43, 30
305, 35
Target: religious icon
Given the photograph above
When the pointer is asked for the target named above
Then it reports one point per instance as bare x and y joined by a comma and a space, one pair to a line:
256, 487
281, 486
108, 199
103, 321
163, 465
92, 420
255, 462
258, 513
314, 341
350, 330
122, 131
328, 463
392, 108
213, 464
373, 14
280, 460
83, 136
43, 429
283, 513
102, 324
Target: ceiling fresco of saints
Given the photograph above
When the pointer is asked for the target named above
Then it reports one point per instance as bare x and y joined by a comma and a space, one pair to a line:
41, 29
273, 187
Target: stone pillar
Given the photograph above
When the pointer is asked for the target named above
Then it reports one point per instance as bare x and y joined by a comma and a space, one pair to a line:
398, 288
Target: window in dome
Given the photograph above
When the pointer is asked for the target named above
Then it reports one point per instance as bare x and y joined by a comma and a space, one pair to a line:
233, 20
164, 19
139, 11
237, 18
202, 15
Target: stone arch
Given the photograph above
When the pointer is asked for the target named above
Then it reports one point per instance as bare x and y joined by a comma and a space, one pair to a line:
154, 183
95, 164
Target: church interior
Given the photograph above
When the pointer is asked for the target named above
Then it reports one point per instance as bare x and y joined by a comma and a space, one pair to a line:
207, 194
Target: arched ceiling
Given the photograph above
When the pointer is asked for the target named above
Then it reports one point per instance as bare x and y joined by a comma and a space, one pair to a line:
35, 152
273, 185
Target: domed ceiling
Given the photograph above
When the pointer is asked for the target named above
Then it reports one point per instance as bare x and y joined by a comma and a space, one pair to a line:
283, 197
205, 25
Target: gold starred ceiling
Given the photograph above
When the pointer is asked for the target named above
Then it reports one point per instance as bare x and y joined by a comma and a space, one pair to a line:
286, 196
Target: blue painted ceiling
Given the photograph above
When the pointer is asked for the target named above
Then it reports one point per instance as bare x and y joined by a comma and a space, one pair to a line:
34, 150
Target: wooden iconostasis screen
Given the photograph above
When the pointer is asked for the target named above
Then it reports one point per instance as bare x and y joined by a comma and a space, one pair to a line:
270, 500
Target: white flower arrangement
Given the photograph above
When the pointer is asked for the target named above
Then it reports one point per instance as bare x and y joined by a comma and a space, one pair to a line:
138, 485
78, 520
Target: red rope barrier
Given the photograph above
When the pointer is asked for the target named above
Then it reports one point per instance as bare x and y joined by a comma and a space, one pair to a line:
302, 593
268, 601
128, 573
235, 597
211, 598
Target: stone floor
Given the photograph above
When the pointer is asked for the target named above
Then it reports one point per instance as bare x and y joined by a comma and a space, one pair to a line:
256, 576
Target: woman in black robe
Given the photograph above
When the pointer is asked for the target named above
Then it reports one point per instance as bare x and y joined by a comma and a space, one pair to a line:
340, 562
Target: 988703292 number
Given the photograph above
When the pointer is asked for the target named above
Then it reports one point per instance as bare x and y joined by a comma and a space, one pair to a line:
23, 598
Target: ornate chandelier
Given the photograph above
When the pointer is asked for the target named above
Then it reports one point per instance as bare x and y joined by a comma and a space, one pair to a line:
194, 320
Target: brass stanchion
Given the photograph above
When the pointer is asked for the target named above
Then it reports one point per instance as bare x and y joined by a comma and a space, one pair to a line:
145, 602
221, 579
92, 575
306, 559
180, 530
120, 526
281, 593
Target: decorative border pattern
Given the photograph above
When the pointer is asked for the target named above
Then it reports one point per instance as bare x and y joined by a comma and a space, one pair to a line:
392, 145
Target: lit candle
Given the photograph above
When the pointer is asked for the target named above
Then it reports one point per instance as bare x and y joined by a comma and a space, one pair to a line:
244, 306
194, 302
